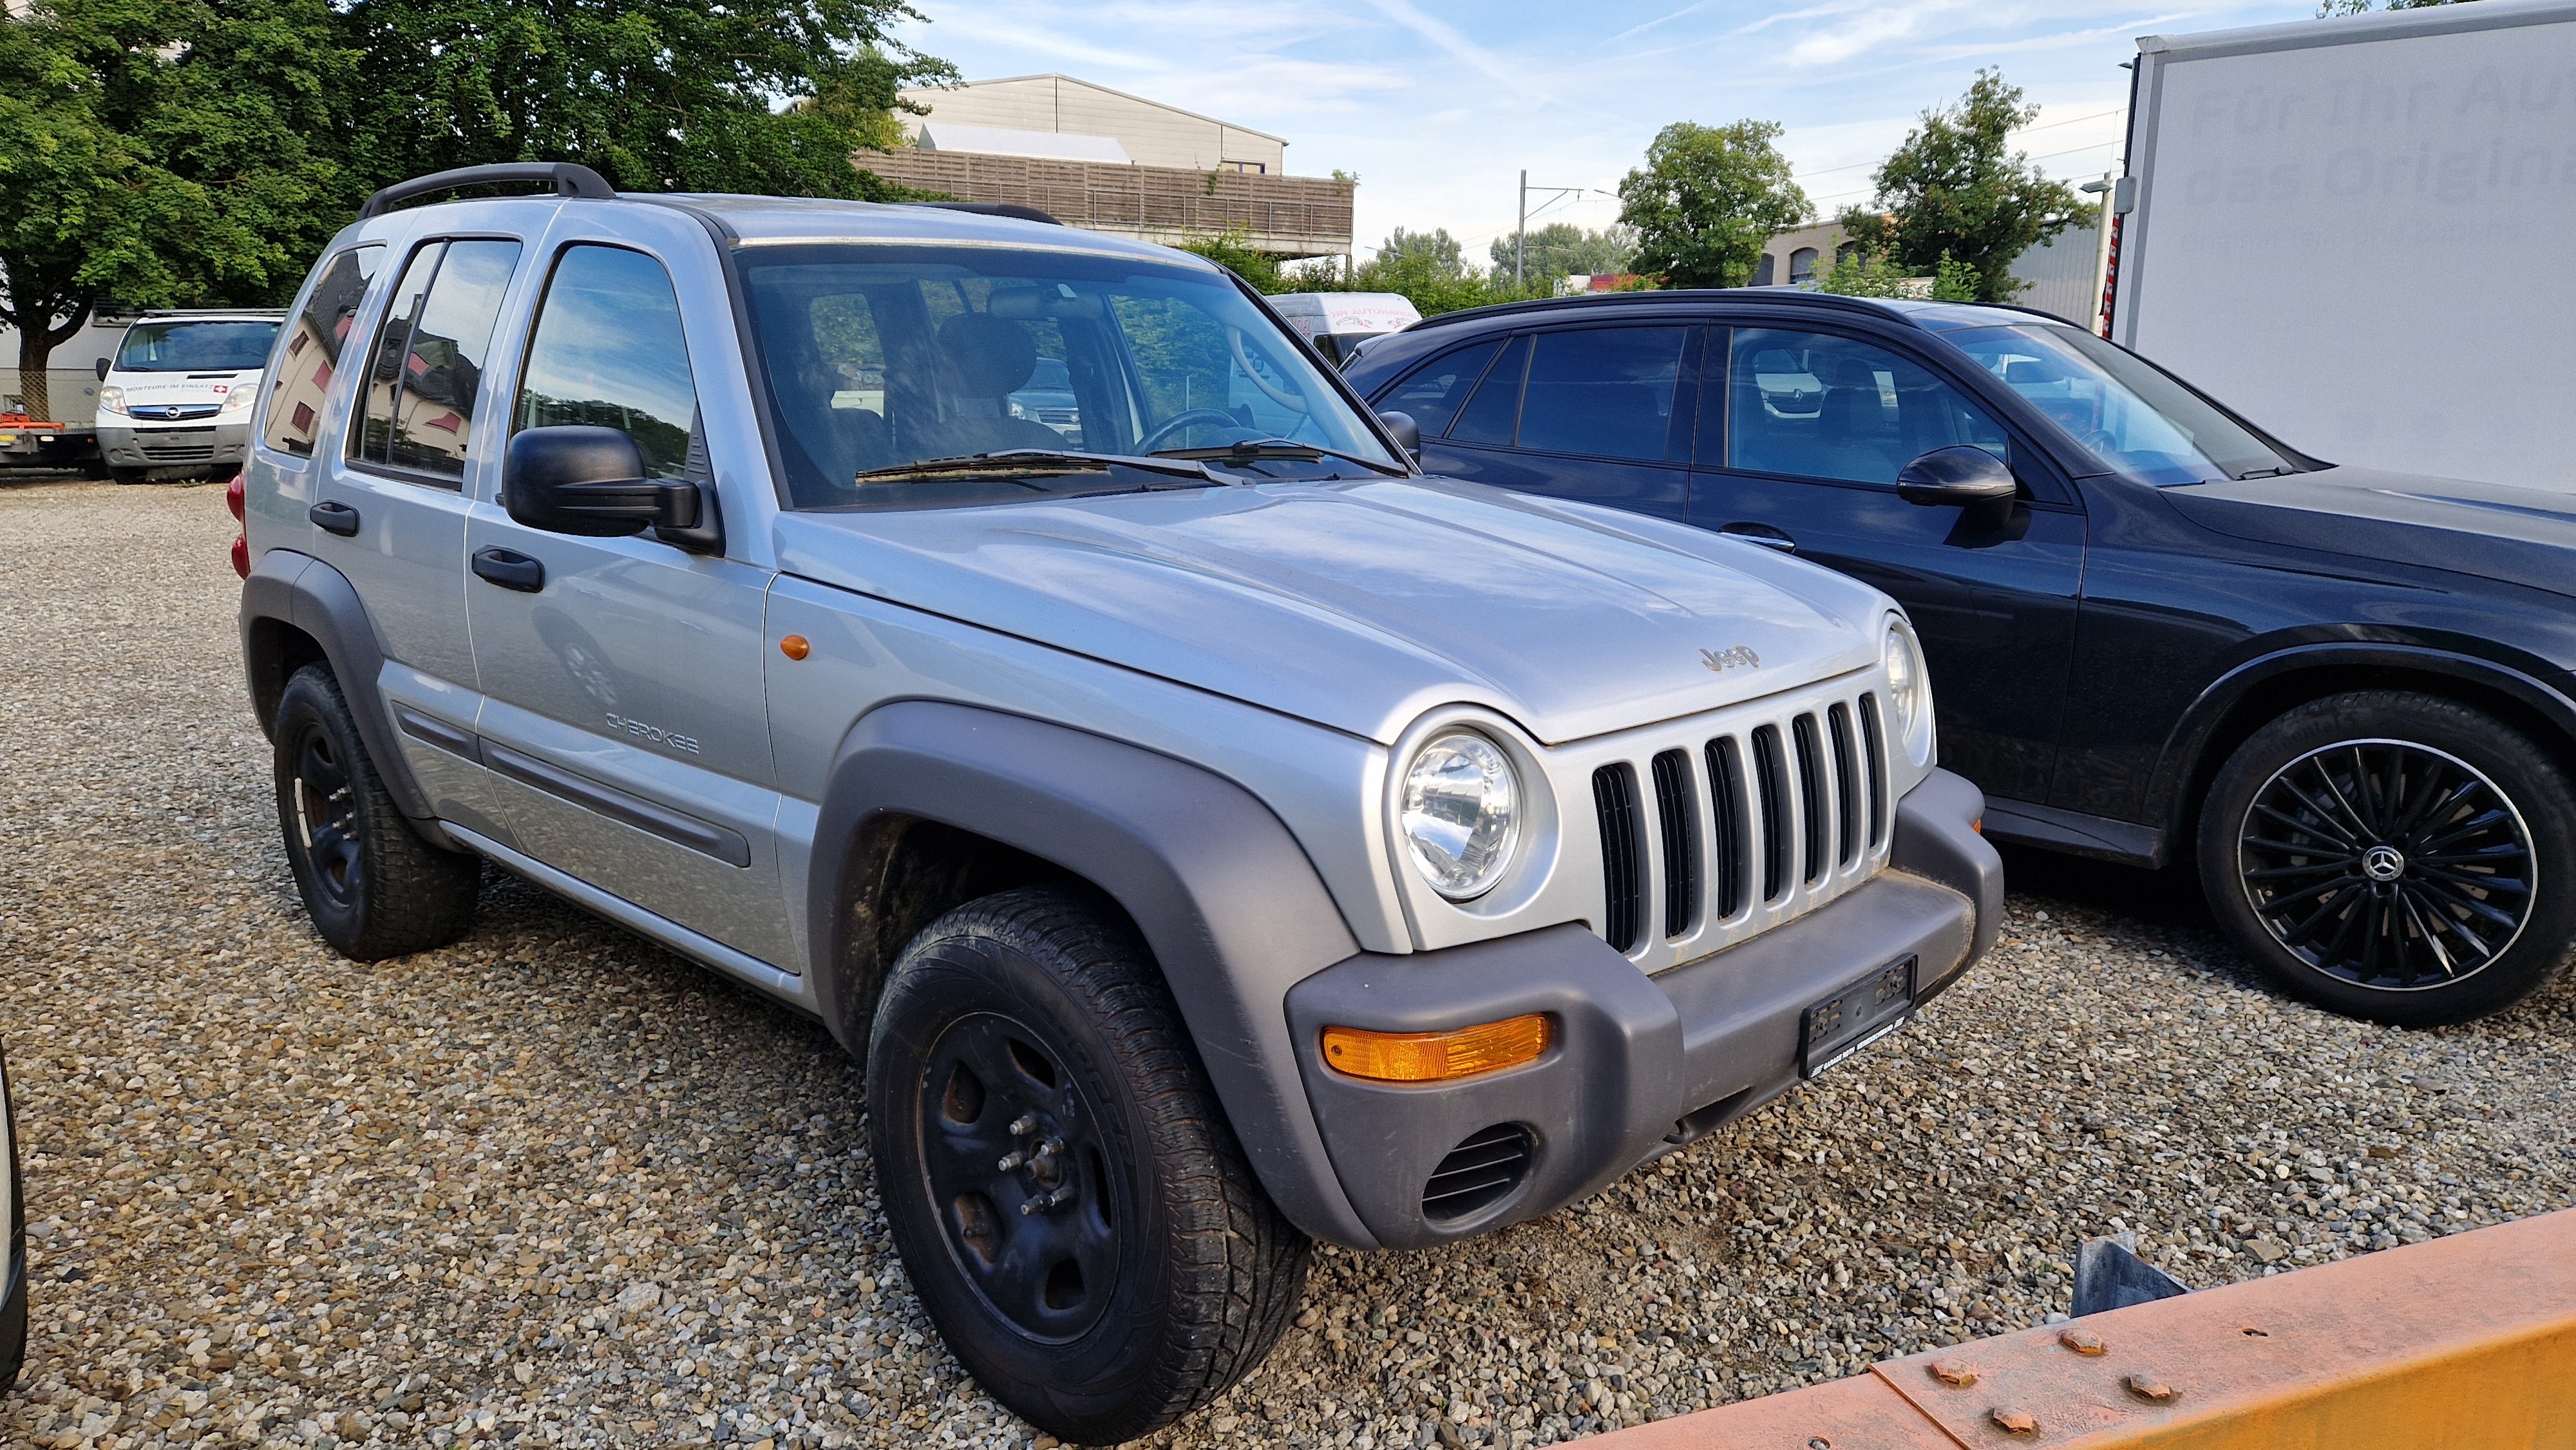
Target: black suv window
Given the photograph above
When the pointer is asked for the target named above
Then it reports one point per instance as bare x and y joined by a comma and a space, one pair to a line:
1603, 391
312, 355
418, 408
1496, 404
608, 349
1431, 393
1812, 405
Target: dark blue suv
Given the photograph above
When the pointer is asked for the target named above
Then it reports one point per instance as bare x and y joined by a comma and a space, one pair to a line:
2156, 632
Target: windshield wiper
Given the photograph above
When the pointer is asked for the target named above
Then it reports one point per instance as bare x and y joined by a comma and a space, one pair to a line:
1252, 450
1015, 465
2263, 473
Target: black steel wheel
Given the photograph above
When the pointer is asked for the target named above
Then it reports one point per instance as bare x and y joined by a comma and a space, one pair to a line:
371, 885
2393, 855
1017, 1153
1069, 1202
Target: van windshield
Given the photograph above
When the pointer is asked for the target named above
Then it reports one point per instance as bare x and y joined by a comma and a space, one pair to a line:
236, 346
881, 357
2125, 411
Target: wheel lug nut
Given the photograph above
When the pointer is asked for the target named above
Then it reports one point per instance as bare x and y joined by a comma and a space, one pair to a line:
1011, 1161
1024, 1125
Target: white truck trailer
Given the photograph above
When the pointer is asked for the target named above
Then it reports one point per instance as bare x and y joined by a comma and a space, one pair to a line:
2355, 231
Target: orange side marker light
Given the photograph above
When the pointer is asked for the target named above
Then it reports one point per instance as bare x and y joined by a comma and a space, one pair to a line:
795, 647
1435, 1056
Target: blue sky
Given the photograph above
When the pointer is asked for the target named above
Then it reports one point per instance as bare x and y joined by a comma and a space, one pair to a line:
1439, 106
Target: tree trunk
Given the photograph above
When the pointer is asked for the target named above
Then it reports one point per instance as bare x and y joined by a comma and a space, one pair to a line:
35, 395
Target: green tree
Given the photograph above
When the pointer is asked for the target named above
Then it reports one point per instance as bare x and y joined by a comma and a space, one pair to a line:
1707, 200
1435, 253
1957, 189
1562, 249
1233, 249
656, 95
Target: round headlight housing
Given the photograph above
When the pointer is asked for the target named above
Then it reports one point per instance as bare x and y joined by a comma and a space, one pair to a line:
1909, 687
1461, 813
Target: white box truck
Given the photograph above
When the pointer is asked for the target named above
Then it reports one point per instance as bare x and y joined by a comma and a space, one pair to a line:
2355, 231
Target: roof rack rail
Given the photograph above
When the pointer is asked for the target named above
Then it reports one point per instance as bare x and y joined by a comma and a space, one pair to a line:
567, 178
994, 208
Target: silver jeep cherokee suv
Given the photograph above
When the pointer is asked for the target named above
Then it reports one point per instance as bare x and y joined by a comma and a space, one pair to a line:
1213, 832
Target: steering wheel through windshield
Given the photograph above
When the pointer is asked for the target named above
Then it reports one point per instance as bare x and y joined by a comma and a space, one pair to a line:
1184, 419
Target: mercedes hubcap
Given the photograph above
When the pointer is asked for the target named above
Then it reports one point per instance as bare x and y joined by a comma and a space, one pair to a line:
1013, 1161
2387, 864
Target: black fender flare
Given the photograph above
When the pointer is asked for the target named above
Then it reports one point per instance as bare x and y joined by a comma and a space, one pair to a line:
299, 590
2185, 744
1226, 898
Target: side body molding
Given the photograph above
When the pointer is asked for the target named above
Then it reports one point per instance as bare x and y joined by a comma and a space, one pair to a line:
1223, 893
302, 591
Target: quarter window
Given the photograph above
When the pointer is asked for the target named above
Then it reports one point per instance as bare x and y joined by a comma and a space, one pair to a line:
608, 350
1811, 405
1496, 404
1604, 391
312, 353
420, 395
1432, 393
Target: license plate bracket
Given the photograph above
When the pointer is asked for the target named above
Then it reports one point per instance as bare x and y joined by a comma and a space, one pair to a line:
1855, 1017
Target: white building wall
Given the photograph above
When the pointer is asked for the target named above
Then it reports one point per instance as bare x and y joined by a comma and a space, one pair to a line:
1153, 134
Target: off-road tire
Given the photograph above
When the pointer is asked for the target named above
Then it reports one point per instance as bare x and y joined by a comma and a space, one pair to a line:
377, 889
13, 1250
2416, 743
1050, 982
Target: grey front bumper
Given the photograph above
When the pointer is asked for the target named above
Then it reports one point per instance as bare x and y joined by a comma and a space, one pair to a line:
174, 445
1634, 1063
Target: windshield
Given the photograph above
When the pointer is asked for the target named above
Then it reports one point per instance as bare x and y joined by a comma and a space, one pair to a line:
2125, 411
879, 357
195, 347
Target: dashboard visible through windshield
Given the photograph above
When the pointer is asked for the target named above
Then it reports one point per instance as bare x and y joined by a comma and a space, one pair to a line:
882, 361
2131, 415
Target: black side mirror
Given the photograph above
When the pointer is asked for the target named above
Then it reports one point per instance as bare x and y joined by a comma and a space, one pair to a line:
574, 478
1408, 434
1956, 476
102, 370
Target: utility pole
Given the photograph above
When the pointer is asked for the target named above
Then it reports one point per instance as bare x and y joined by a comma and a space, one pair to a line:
1520, 235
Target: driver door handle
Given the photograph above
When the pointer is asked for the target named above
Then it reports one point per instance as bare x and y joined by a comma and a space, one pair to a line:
510, 569
1764, 534
334, 517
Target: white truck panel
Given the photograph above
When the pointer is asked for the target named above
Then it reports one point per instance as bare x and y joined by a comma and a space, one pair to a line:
2353, 232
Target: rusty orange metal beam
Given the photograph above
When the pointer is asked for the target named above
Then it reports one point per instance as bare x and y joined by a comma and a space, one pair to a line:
2463, 1343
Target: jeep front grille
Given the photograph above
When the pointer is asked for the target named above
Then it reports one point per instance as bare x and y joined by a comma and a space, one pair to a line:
1752, 826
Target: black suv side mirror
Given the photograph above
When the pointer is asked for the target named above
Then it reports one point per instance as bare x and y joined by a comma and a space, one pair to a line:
1956, 476
1408, 434
576, 478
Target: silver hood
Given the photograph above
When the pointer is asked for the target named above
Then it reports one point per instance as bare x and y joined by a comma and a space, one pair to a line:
1360, 605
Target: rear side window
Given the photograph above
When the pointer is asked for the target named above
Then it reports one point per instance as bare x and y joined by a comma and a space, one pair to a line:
1432, 392
608, 350
320, 329
1496, 404
418, 416
1603, 391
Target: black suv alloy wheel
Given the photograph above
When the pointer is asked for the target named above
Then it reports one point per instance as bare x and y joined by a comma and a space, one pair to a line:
2394, 855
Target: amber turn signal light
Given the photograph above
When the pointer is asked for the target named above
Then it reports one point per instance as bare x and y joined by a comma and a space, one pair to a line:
795, 647
1435, 1056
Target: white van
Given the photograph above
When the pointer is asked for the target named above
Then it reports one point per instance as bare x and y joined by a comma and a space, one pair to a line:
179, 391
1338, 322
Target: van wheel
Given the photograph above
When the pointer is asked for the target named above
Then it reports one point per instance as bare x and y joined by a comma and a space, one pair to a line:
2394, 856
372, 886
1067, 1197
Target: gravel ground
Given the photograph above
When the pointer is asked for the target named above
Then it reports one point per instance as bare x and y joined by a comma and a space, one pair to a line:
555, 1185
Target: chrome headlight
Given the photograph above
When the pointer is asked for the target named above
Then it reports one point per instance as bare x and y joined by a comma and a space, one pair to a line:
111, 399
1909, 690
1461, 814
241, 397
